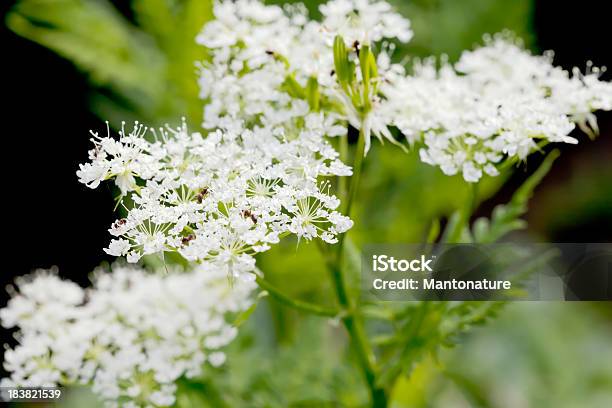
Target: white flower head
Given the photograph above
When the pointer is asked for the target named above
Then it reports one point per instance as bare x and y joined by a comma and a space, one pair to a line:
225, 197
130, 336
497, 103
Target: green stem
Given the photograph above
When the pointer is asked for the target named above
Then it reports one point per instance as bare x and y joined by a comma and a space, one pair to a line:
359, 340
359, 152
343, 142
351, 320
295, 303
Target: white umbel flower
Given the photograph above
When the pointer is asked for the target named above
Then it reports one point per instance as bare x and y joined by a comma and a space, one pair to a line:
497, 103
130, 336
222, 198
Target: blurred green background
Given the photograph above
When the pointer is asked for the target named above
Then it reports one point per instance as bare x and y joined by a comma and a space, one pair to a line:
134, 60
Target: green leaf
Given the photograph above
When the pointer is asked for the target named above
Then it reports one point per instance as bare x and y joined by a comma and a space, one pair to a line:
244, 316
505, 218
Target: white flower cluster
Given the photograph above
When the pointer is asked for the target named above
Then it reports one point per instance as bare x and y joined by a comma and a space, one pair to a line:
256, 175
222, 198
263, 58
273, 98
130, 336
496, 103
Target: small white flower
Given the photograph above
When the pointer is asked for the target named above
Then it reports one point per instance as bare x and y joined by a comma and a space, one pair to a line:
118, 247
216, 359
91, 174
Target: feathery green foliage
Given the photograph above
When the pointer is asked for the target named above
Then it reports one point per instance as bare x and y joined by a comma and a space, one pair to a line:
143, 70
505, 218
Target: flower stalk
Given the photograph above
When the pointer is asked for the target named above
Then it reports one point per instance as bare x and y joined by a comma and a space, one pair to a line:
352, 320
295, 303
357, 165
359, 341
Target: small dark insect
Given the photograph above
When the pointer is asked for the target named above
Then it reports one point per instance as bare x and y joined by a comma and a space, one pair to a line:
269, 52
249, 214
120, 222
201, 195
356, 46
186, 239
333, 71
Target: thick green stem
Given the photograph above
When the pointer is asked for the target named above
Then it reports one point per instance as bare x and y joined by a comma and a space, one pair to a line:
343, 147
351, 319
359, 340
295, 303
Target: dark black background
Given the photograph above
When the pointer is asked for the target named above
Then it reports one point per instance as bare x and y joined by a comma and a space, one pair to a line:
51, 219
